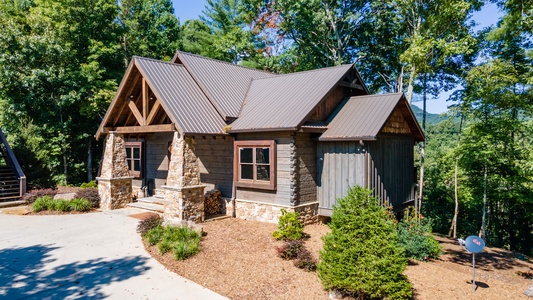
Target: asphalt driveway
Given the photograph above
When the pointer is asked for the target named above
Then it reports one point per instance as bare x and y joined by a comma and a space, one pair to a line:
87, 256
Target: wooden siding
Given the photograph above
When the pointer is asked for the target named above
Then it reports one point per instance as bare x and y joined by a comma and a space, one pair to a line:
306, 172
340, 166
215, 158
324, 109
391, 168
282, 193
396, 123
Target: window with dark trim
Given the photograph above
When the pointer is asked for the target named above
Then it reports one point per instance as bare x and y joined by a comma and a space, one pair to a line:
134, 158
255, 164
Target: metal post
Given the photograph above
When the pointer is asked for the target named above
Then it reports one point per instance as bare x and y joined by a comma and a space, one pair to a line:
473, 272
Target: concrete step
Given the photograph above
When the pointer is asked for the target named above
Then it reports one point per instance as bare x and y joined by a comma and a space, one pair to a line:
11, 203
148, 206
152, 200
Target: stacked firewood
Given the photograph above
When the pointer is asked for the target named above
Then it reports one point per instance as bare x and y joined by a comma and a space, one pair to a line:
213, 202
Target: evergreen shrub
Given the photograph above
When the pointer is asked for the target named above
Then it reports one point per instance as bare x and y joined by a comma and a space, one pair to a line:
182, 241
415, 236
362, 255
289, 226
80, 204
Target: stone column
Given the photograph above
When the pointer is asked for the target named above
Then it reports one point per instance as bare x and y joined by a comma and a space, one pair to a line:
184, 193
114, 183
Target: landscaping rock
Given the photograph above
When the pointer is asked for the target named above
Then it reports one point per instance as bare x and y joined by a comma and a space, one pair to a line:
529, 292
66, 196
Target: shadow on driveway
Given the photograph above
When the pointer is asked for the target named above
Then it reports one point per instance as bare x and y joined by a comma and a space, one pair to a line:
34, 272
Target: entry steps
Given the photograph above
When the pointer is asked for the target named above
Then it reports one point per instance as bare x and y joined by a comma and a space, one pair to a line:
155, 203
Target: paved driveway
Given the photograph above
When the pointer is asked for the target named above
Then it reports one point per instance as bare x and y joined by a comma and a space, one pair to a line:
88, 256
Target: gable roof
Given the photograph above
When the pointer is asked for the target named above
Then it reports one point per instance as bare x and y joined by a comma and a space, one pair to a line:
363, 117
225, 84
181, 98
284, 102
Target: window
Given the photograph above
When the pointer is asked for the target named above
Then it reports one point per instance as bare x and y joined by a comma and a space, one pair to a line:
134, 158
255, 165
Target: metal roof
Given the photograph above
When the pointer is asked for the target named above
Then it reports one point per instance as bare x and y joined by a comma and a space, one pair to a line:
225, 84
363, 117
180, 96
283, 102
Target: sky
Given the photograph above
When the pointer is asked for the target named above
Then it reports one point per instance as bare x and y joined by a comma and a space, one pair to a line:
489, 15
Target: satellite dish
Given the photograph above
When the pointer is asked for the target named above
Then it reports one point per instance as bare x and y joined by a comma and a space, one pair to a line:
474, 244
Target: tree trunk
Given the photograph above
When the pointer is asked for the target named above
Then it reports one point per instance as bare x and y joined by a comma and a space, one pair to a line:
89, 159
456, 212
482, 232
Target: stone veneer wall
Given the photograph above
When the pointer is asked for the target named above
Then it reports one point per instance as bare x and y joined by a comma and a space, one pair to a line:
184, 196
114, 183
270, 213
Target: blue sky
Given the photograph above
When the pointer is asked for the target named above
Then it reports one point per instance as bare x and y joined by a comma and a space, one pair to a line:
489, 15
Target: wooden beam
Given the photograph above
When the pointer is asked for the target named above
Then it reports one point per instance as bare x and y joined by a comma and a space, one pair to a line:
120, 112
134, 83
142, 129
136, 112
145, 101
152, 114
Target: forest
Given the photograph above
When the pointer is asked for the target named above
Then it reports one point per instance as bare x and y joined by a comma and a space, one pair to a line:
61, 62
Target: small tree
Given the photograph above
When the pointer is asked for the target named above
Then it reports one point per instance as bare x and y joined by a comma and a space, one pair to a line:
362, 255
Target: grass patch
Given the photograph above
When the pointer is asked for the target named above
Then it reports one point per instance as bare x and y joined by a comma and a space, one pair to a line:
183, 242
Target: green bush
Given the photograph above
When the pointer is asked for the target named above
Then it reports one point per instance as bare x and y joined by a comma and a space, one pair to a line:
182, 241
60, 205
42, 203
362, 255
289, 226
90, 184
415, 236
80, 204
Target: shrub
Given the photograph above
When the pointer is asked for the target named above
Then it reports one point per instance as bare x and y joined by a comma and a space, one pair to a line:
60, 205
304, 260
154, 235
289, 226
43, 203
90, 194
80, 204
33, 195
362, 255
289, 250
182, 241
415, 236
148, 224
90, 184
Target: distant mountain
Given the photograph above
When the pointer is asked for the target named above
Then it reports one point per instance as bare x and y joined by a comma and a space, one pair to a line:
430, 118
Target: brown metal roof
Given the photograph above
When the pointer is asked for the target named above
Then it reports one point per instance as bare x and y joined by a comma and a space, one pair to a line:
283, 102
363, 117
180, 96
225, 84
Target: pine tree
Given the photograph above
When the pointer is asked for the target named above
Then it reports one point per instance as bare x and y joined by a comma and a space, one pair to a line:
362, 255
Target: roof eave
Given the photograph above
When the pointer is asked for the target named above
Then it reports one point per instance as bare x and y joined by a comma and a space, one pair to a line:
100, 130
347, 138
263, 129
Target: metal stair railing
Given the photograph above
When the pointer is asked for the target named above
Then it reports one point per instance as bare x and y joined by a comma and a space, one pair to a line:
13, 163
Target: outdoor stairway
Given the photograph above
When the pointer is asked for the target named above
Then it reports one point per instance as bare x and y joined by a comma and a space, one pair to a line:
155, 203
9, 184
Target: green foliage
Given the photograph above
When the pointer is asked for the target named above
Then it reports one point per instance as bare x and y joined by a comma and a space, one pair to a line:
289, 226
182, 241
60, 205
80, 204
42, 203
415, 236
148, 224
91, 194
362, 255
90, 184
